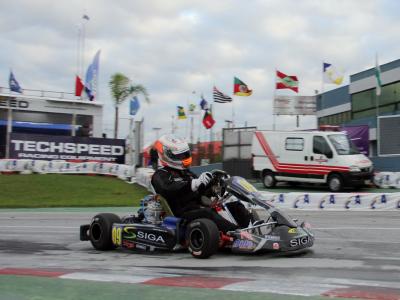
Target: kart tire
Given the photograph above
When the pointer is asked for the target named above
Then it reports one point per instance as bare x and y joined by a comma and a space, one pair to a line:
335, 183
202, 236
100, 231
268, 179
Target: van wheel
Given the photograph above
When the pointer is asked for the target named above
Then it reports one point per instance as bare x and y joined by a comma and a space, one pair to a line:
335, 183
269, 180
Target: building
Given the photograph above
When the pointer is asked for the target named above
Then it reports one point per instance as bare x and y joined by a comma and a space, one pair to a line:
357, 104
44, 112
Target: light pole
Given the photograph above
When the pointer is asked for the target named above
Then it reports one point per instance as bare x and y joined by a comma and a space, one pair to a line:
157, 130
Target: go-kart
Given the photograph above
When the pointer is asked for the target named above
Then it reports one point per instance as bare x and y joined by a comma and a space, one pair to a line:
155, 228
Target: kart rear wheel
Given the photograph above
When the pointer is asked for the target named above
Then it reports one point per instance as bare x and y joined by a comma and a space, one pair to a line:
100, 231
202, 236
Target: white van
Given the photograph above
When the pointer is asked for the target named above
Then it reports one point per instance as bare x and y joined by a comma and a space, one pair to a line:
309, 156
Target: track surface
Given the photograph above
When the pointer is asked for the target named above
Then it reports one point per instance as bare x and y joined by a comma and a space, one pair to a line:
352, 249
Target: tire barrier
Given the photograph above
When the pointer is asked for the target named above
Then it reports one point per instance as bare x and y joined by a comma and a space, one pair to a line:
387, 179
312, 201
331, 201
143, 177
27, 166
295, 200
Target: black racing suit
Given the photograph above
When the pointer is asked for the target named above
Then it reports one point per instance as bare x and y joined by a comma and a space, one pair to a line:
175, 186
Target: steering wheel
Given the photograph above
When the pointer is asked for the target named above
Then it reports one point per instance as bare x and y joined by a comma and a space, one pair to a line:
217, 185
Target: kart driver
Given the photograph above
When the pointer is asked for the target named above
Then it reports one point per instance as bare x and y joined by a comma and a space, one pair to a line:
183, 189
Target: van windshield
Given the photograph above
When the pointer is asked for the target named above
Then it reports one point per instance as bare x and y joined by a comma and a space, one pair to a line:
343, 145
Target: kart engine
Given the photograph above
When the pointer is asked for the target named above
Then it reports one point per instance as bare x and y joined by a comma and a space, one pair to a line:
152, 210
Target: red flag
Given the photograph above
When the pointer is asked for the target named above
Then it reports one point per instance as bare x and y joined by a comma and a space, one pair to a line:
208, 120
287, 82
78, 86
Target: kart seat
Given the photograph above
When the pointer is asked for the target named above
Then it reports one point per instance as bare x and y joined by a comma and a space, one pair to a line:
165, 206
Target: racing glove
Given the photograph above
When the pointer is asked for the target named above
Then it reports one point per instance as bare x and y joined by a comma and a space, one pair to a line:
204, 179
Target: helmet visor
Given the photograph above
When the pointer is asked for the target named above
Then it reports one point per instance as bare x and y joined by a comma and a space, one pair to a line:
179, 156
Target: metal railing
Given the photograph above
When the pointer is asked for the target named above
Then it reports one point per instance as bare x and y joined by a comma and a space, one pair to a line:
41, 93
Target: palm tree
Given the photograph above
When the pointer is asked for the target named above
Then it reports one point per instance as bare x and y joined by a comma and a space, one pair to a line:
122, 88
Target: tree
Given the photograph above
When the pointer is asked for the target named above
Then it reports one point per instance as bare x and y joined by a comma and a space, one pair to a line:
121, 88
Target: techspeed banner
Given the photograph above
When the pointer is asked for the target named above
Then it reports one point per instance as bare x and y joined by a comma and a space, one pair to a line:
295, 105
49, 147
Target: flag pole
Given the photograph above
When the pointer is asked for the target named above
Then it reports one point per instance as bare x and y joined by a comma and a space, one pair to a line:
322, 91
172, 125
378, 87
233, 114
131, 138
9, 129
273, 105
78, 52
211, 129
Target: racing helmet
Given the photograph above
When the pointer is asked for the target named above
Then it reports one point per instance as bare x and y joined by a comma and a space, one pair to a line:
173, 152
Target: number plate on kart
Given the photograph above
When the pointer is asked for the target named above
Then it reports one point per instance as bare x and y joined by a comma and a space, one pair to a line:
244, 244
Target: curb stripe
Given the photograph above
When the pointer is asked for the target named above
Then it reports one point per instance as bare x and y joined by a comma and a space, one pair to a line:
31, 272
370, 293
195, 281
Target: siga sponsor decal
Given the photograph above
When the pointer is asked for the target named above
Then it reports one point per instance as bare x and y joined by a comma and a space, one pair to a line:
129, 233
299, 241
150, 237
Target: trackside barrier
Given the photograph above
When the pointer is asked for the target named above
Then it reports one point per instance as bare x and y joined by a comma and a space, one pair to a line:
313, 201
26, 166
142, 176
387, 179
331, 201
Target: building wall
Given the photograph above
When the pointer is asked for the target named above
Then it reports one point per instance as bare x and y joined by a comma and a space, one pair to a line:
52, 110
356, 104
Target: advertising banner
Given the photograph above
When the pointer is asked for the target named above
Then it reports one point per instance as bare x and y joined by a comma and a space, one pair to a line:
50, 147
359, 135
295, 105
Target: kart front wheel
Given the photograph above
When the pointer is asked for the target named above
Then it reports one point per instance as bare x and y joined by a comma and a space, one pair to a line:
100, 231
202, 236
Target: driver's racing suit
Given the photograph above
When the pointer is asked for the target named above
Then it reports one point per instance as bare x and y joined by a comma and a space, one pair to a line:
175, 186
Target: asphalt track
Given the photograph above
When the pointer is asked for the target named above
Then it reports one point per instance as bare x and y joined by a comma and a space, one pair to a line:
356, 255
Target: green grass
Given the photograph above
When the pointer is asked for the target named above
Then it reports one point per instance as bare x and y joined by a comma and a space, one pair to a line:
30, 191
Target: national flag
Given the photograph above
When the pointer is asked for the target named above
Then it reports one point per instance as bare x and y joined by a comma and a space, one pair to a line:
331, 74
203, 103
92, 76
378, 77
134, 106
181, 113
240, 88
192, 109
86, 17
78, 86
208, 120
287, 82
220, 97
13, 84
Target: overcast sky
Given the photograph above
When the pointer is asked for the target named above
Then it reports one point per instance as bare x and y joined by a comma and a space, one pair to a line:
179, 49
